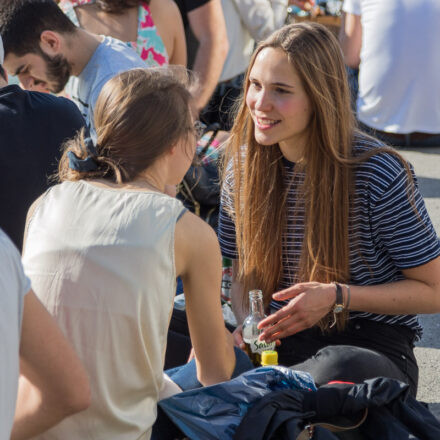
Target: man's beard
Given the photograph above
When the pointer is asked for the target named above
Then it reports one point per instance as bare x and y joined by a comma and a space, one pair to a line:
58, 71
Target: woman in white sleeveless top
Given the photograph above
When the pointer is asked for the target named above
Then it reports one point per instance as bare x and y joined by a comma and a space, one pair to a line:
104, 248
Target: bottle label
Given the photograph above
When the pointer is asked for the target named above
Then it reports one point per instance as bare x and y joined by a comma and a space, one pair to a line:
257, 346
226, 279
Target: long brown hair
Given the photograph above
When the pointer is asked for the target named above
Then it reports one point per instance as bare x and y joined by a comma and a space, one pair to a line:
259, 192
140, 114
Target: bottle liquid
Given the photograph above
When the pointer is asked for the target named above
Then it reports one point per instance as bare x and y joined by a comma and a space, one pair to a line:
254, 347
268, 358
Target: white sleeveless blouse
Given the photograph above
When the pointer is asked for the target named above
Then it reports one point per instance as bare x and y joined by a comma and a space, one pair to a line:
102, 262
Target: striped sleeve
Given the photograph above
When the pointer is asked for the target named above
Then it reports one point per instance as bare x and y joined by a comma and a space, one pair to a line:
401, 220
226, 225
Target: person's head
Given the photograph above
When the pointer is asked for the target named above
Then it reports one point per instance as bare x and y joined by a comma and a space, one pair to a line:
296, 104
34, 34
296, 79
141, 116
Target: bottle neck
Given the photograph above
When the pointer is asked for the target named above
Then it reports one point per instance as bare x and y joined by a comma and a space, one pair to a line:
256, 306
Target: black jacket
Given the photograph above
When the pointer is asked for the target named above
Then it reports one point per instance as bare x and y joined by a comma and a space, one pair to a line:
392, 413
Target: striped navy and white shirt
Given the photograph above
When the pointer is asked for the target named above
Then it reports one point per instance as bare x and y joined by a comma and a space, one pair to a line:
389, 236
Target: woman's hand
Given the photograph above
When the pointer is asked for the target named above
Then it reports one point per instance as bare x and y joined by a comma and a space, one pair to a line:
309, 302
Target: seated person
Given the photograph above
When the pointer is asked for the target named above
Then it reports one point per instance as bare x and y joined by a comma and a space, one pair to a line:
52, 49
104, 248
33, 127
53, 383
326, 221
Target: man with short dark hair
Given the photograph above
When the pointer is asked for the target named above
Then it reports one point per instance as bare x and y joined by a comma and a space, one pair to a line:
33, 127
43, 46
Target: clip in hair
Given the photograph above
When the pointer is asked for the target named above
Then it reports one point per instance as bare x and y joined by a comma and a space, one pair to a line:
87, 164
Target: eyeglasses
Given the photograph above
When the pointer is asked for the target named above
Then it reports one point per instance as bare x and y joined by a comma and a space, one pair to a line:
199, 129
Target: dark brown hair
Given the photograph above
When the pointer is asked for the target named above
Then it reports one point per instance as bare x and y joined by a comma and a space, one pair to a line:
140, 114
23, 21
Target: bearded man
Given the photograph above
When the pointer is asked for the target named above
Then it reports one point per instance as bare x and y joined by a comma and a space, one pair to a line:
43, 47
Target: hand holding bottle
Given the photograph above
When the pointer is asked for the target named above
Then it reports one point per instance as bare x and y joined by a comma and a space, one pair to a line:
309, 302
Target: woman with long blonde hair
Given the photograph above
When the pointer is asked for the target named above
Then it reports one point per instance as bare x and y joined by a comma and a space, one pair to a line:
326, 221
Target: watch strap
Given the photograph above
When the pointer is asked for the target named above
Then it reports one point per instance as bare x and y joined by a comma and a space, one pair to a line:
339, 304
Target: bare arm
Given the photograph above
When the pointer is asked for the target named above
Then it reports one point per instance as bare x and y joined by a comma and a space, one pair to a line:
166, 16
53, 384
309, 302
208, 26
198, 262
350, 37
178, 55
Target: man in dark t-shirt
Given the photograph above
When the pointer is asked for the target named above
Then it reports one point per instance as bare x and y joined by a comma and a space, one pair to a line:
186, 6
33, 127
207, 43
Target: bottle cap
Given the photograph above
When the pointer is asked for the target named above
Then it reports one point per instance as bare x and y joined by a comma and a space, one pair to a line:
269, 357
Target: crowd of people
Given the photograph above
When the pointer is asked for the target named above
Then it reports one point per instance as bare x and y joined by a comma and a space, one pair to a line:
317, 209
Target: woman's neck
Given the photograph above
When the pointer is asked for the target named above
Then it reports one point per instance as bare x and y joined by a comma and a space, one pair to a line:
293, 153
152, 177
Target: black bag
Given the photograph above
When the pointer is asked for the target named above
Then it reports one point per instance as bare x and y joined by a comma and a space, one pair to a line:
338, 411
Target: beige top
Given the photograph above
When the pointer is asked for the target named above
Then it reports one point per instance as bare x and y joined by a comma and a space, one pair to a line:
102, 261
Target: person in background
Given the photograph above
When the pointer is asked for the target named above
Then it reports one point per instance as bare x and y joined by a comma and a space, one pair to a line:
325, 220
33, 127
207, 44
53, 383
247, 22
394, 44
153, 28
104, 248
43, 47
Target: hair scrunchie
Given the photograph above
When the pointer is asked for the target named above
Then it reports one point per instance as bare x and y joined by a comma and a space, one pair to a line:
87, 164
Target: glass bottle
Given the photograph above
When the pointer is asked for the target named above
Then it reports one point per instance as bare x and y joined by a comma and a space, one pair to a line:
254, 347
